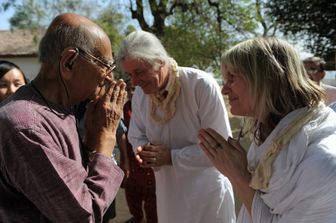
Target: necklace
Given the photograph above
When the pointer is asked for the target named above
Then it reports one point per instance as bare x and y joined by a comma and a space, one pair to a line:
62, 116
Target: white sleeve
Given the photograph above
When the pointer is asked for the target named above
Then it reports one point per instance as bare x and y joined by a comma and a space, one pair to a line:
137, 129
212, 114
312, 200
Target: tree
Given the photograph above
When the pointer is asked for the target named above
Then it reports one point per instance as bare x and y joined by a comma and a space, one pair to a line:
29, 14
5, 4
269, 26
311, 20
37, 14
112, 23
196, 32
33, 14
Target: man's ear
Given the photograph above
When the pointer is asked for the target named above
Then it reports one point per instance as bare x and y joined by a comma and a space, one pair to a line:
67, 61
68, 58
72, 60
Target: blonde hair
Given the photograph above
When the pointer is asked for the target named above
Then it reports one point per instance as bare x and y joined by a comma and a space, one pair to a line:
275, 76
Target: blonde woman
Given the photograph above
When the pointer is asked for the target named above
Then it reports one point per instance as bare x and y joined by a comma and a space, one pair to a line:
288, 174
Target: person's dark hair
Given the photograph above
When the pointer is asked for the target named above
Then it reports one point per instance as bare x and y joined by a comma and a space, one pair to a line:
6, 66
60, 36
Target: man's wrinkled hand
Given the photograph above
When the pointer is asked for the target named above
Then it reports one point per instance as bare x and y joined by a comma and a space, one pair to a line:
102, 118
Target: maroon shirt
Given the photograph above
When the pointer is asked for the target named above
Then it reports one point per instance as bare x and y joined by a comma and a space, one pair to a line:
139, 178
42, 177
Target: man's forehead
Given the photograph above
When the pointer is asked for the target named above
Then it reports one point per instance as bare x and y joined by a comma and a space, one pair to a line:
310, 64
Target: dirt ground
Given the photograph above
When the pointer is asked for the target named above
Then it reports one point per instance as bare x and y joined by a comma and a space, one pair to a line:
122, 213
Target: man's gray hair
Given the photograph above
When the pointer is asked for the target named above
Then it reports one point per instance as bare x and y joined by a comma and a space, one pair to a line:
62, 36
144, 46
316, 60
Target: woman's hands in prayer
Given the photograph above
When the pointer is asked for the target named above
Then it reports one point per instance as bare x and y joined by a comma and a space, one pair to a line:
229, 158
153, 155
102, 118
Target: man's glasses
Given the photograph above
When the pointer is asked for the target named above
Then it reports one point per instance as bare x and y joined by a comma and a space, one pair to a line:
109, 66
312, 71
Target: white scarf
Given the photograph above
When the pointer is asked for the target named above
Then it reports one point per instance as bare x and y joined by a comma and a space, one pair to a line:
167, 104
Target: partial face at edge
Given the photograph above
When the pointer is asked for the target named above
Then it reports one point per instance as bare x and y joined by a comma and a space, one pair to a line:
314, 71
10, 82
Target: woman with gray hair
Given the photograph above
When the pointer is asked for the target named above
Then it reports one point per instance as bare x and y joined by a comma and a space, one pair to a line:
289, 173
170, 105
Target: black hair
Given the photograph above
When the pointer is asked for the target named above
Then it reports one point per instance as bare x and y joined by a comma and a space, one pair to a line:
6, 66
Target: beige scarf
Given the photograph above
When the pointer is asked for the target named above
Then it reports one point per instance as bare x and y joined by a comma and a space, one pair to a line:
166, 104
263, 172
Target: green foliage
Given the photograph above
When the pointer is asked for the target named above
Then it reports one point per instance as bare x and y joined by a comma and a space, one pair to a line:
29, 14
33, 14
5, 4
198, 36
195, 32
110, 22
311, 20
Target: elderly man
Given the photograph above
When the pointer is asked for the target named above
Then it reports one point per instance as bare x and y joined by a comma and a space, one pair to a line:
170, 105
315, 70
46, 175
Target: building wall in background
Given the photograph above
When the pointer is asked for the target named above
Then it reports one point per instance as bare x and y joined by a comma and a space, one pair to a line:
29, 65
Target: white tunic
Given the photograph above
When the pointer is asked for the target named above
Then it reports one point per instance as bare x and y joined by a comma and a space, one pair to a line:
191, 190
303, 184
